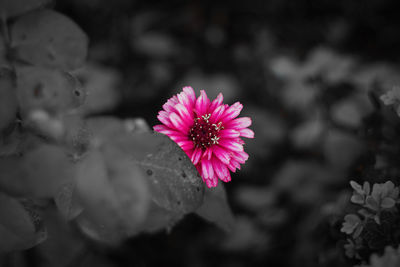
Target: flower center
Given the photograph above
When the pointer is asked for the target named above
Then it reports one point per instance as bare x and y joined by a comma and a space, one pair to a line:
203, 133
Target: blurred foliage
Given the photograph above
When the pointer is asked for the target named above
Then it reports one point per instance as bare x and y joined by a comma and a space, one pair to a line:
69, 180
319, 78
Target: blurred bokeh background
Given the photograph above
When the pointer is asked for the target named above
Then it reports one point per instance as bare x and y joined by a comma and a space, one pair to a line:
309, 73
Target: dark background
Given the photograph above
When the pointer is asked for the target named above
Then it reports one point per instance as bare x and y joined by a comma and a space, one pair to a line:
290, 198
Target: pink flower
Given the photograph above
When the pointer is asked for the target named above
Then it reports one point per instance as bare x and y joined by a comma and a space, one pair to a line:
208, 132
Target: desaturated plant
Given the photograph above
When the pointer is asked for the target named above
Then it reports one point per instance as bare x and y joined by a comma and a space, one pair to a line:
109, 178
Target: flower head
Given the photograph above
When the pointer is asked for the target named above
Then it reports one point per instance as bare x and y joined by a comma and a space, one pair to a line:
209, 133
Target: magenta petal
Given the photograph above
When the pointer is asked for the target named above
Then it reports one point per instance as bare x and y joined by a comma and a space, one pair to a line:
216, 102
233, 165
239, 123
229, 133
167, 131
240, 157
174, 135
231, 145
219, 168
185, 144
196, 156
211, 182
221, 154
184, 113
169, 106
178, 123
232, 112
226, 178
246, 132
159, 127
207, 169
202, 103
207, 153
217, 113
190, 94
184, 99
164, 118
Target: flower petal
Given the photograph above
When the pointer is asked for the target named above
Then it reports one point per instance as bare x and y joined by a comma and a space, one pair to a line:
221, 154
231, 145
160, 127
227, 178
207, 153
178, 123
216, 102
211, 182
239, 123
246, 132
232, 112
164, 118
185, 144
184, 100
233, 165
220, 169
207, 169
168, 131
196, 156
190, 94
202, 104
216, 114
184, 113
240, 157
169, 106
229, 133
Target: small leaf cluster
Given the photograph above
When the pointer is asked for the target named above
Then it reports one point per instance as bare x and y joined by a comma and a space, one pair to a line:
390, 258
373, 226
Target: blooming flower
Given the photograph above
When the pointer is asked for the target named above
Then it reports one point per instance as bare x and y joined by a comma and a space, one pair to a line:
209, 133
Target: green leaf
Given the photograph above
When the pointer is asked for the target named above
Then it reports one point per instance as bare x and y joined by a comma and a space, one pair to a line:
371, 203
8, 99
367, 188
20, 226
12, 8
50, 39
351, 222
47, 89
67, 201
47, 168
215, 208
39, 173
357, 187
388, 203
357, 198
114, 194
390, 258
377, 191
175, 182
175, 185
77, 135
